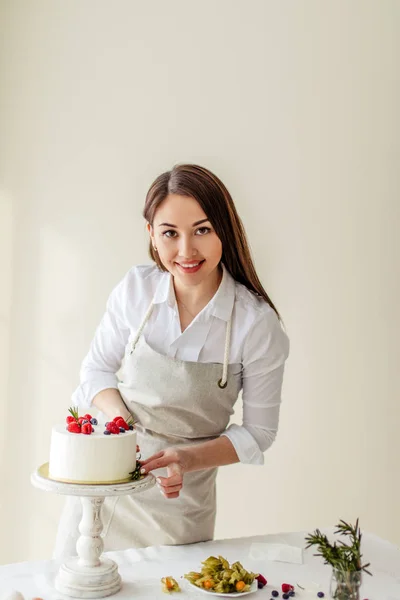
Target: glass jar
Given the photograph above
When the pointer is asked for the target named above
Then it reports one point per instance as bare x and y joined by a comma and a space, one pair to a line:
345, 585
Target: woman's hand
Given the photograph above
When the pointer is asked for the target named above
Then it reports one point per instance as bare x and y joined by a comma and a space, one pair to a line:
174, 460
192, 457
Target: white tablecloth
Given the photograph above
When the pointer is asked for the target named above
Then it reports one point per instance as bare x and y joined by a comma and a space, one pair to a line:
142, 569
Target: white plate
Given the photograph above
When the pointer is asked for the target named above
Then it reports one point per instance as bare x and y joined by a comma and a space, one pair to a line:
253, 588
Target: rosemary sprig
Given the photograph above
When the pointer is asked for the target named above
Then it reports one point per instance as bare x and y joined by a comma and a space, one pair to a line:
73, 410
136, 474
341, 556
131, 420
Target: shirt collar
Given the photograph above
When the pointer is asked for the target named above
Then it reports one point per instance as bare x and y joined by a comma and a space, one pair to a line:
165, 290
221, 305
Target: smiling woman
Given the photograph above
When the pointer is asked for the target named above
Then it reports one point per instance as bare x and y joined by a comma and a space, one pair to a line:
190, 332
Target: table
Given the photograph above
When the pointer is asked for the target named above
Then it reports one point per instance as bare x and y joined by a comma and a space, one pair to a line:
141, 569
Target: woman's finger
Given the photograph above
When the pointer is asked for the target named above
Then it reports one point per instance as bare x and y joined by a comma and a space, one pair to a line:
174, 495
166, 482
152, 457
153, 463
170, 490
165, 458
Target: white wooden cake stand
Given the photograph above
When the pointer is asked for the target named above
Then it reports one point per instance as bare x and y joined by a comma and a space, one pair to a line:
89, 575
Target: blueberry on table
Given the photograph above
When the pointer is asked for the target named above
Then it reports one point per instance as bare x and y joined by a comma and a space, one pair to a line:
106, 432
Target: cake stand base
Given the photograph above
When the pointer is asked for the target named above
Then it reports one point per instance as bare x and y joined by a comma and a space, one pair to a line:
78, 581
89, 575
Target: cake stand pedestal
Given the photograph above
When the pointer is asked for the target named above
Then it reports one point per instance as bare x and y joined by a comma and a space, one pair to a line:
89, 575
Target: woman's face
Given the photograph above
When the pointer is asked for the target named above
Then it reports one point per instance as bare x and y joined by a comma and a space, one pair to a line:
185, 240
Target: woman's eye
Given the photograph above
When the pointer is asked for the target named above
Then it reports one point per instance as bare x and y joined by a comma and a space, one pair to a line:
170, 233
203, 230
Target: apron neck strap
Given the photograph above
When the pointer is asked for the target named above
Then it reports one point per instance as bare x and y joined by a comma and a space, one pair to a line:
142, 326
223, 382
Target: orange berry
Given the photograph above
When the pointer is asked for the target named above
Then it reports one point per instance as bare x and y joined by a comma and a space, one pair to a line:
209, 584
240, 585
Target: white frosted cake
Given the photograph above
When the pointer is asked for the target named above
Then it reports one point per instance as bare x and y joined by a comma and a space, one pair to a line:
94, 458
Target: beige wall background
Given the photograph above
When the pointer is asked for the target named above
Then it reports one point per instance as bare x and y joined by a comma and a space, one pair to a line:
295, 106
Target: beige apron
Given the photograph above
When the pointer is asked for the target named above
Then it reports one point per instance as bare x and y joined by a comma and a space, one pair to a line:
176, 403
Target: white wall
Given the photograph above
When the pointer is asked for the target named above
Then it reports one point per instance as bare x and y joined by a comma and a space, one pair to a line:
295, 106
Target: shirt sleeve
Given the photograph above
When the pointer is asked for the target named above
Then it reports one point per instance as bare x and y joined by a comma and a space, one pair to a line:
264, 354
99, 367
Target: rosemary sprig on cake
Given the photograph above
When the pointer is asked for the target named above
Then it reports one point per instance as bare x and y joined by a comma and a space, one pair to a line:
136, 474
73, 410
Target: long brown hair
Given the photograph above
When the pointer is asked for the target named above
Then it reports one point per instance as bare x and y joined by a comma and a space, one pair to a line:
213, 197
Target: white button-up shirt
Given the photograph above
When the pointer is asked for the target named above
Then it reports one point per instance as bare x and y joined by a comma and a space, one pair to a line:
258, 343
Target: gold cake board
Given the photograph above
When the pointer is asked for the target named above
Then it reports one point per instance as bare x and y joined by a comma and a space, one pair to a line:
43, 471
